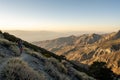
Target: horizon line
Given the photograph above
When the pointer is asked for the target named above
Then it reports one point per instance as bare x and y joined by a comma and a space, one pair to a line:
60, 30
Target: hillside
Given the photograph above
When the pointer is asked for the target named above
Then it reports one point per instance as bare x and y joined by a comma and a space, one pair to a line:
34, 63
88, 48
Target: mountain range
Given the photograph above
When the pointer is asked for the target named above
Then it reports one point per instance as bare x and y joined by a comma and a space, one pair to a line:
32, 36
87, 48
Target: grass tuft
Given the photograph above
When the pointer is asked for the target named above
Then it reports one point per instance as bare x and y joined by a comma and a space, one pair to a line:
16, 69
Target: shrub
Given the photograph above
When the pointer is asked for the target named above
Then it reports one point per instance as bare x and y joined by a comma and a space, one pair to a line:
100, 71
11, 46
54, 73
83, 76
35, 54
5, 43
76, 74
15, 50
47, 55
16, 69
10, 37
60, 67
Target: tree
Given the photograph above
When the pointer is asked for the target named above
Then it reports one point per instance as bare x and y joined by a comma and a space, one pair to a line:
100, 71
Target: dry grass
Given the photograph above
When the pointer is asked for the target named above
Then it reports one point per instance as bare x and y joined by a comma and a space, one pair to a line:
83, 76
15, 50
56, 70
11, 46
16, 69
33, 53
60, 67
5, 42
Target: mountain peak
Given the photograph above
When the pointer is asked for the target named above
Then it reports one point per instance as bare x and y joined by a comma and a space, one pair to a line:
117, 35
73, 36
94, 35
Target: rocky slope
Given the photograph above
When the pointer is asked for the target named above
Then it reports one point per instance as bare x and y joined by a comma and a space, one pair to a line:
34, 63
88, 48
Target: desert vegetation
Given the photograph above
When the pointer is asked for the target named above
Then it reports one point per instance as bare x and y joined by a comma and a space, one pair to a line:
100, 71
16, 69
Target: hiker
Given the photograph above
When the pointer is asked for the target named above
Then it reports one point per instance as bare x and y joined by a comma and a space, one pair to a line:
20, 45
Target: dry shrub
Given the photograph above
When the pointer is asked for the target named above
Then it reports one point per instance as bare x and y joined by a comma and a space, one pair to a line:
16, 69
54, 72
60, 67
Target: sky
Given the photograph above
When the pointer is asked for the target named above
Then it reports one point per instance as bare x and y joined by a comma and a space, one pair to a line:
60, 15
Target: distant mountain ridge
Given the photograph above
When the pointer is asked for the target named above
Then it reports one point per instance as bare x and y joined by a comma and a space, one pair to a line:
32, 36
88, 48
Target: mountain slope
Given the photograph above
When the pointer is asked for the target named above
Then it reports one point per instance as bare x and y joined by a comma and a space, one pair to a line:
36, 63
89, 48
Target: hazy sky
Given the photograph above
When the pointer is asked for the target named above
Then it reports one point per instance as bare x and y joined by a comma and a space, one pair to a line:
60, 15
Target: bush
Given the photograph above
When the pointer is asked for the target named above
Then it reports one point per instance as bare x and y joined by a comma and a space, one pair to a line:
5, 43
83, 76
60, 67
16, 69
11, 46
76, 74
53, 71
15, 50
10, 37
100, 71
